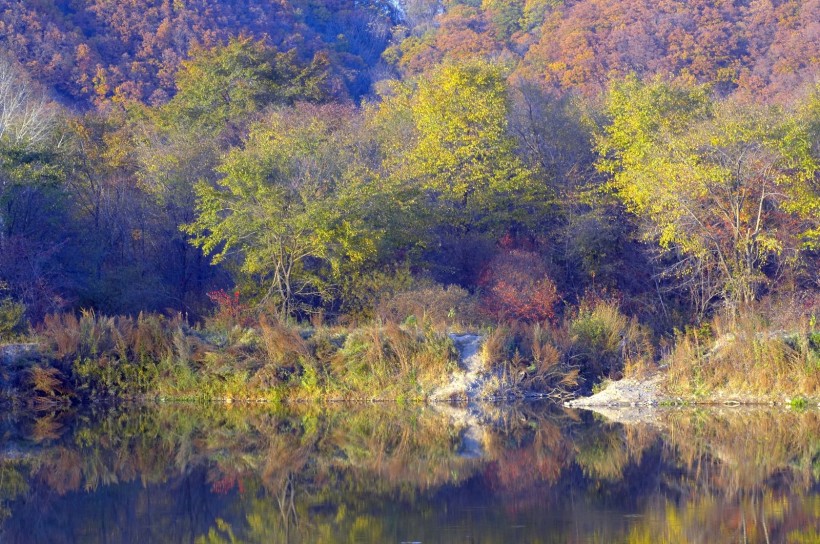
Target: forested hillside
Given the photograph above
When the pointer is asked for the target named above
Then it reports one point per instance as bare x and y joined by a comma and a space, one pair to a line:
91, 50
483, 162
764, 49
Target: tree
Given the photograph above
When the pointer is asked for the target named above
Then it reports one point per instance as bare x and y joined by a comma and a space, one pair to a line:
224, 84
457, 150
31, 196
807, 202
506, 16
447, 149
26, 119
287, 207
714, 183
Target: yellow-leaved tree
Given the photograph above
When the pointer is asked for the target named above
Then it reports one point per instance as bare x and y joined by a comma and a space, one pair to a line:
446, 134
724, 188
290, 206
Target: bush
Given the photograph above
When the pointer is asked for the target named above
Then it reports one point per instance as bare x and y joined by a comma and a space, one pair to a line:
517, 288
606, 343
229, 312
12, 319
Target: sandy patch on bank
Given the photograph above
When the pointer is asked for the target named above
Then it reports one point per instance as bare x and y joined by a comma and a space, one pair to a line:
468, 381
625, 392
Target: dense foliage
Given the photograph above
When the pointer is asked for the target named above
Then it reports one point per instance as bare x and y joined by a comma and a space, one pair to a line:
350, 160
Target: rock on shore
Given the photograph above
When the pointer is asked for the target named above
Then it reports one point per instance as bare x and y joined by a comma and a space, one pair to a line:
625, 392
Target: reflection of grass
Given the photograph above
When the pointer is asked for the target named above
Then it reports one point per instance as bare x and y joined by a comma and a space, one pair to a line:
747, 447
799, 403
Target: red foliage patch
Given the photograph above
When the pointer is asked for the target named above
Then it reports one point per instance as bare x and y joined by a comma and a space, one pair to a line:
517, 287
228, 308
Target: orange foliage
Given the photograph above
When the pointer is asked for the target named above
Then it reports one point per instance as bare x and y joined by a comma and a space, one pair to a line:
517, 287
139, 44
761, 49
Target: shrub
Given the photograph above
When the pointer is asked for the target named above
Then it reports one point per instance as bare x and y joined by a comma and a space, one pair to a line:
229, 312
361, 293
517, 287
12, 319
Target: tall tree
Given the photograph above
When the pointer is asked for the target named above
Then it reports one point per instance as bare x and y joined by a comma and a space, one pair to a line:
713, 182
223, 84
286, 209
457, 149
31, 192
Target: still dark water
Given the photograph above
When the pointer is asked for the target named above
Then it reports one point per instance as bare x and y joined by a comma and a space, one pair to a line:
387, 474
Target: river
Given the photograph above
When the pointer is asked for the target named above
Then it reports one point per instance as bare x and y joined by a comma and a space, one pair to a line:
388, 473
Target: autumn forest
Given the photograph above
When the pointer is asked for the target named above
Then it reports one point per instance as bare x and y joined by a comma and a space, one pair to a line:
301, 198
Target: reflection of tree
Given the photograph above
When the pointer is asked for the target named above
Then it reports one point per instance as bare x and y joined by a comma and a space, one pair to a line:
530, 449
708, 518
604, 452
365, 473
13, 483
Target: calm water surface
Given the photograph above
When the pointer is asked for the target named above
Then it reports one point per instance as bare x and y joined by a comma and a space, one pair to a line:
388, 474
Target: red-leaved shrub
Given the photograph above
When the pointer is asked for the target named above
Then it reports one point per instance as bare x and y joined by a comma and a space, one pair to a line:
516, 286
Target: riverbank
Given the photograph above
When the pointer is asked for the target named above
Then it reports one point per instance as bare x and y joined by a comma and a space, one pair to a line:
78, 359
152, 357
654, 391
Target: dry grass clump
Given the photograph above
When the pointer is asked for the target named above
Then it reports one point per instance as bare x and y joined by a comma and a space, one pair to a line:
595, 341
282, 344
108, 356
748, 354
378, 360
531, 359
436, 305
68, 337
606, 343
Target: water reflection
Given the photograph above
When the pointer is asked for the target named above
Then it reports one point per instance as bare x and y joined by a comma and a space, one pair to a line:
526, 473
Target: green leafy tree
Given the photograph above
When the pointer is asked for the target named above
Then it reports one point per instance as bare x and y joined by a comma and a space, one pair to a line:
287, 207
714, 183
806, 203
449, 138
506, 15
32, 172
222, 85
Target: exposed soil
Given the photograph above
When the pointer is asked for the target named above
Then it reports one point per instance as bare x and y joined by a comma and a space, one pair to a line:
633, 400
625, 392
466, 388
468, 381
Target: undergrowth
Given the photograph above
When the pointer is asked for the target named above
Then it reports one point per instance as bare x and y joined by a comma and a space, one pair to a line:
748, 354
